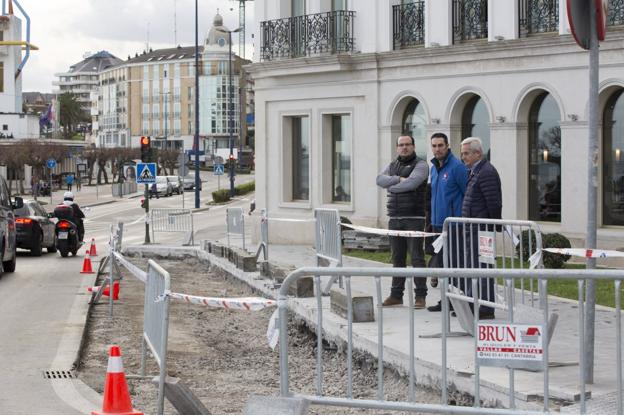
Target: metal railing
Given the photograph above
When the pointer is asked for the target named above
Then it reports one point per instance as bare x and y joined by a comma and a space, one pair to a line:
376, 274
328, 240
616, 13
307, 35
263, 246
408, 25
156, 324
235, 224
173, 220
470, 20
538, 16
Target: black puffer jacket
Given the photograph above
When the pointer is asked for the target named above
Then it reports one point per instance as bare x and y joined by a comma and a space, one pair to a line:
483, 198
406, 204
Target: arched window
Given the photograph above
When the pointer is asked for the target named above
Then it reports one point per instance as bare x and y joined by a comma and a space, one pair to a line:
476, 122
545, 160
613, 165
414, 125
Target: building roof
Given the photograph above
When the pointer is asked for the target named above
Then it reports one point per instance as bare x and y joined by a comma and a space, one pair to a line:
37, 97
170, 54
96, 62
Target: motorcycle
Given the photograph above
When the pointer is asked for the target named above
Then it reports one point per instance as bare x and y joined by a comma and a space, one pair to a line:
66, 237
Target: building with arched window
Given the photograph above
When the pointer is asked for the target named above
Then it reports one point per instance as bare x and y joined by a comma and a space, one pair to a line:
331, 103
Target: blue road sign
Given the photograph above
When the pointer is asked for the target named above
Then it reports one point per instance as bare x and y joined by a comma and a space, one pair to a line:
218, 169
51, 163
146, 173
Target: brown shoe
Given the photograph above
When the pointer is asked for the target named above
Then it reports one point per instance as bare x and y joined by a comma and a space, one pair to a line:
420, 303
390, 301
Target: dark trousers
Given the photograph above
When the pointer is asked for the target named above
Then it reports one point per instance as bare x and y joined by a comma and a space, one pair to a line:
455, 255
401, 247
485, 285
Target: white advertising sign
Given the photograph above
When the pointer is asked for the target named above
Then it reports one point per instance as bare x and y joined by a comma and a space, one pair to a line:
518, 346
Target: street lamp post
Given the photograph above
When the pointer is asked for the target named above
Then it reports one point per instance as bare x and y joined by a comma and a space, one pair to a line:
196, 137
232, 168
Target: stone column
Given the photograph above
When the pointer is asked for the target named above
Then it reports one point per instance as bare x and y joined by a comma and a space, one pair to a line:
574, 161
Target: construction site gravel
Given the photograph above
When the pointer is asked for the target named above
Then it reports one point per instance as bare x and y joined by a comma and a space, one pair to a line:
221, 355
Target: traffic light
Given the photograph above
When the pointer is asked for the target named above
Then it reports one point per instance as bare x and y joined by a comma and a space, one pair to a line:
145, 149
231, 163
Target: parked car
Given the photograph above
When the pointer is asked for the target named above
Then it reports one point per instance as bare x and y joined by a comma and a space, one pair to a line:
35, 229
176, 183
189, 183
8, 243
163, 187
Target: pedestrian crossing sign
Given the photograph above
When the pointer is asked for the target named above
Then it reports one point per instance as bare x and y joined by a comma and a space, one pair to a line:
218, 169
146, 173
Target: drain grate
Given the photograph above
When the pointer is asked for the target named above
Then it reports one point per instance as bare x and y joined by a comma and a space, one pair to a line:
58, 374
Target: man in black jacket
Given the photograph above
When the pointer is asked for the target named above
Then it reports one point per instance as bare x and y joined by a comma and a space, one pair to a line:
483, 199
405, 180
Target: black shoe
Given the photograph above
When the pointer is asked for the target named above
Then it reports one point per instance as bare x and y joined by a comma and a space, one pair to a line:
438, 307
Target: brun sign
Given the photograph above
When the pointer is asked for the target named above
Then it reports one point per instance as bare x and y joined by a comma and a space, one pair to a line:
518, 346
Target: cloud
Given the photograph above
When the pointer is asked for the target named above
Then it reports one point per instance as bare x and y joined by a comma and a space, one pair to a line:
65, 30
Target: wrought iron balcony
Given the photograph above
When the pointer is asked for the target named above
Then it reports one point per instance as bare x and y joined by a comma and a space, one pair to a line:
538, 16
408, 24
616, 13
309, 35
470, 20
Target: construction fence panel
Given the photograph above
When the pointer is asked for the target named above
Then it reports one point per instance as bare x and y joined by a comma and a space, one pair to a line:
536, 362
172, 220
156, 323
263, 246
235, 221
328, 242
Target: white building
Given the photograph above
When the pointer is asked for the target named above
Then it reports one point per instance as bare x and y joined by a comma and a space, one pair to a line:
331, 102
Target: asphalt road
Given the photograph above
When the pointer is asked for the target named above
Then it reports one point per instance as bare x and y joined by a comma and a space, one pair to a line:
43, 306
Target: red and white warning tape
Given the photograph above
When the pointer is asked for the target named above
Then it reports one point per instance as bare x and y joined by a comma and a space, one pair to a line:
577, 252
390, 232
245, 303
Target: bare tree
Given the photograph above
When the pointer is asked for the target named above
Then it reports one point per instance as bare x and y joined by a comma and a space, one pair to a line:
168, 159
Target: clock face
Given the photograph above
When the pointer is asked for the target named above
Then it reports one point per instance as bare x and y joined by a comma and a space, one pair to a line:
221, 41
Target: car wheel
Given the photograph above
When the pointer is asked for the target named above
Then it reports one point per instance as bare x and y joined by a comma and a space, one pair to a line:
9, 266
37, 246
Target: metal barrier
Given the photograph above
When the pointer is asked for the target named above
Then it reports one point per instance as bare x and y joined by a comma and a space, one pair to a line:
328, 242
125, 188
156, 324
264, 237
490, 243
539, 357
235, 220
173, 220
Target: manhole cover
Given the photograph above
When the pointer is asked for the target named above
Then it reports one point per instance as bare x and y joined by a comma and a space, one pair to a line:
58, 374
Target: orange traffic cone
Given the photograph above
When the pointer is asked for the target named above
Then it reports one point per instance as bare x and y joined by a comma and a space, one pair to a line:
92, 250
116, 395
106, 291
86, 265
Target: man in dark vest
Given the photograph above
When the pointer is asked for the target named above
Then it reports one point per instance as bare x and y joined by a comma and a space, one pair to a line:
405, 180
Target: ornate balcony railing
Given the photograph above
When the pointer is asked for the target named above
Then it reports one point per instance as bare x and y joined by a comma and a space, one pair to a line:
408, 24
470, 20
616, 13
538, 16
309, 35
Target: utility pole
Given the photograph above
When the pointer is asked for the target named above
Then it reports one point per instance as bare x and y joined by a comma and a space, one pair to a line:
196, 137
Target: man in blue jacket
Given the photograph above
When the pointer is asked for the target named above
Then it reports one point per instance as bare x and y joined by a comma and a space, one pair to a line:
483, 199
448, 185
405, 180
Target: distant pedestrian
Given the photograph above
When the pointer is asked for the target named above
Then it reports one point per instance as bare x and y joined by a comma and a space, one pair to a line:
34, 185
69, 181
78, 182
405, 180
483, 199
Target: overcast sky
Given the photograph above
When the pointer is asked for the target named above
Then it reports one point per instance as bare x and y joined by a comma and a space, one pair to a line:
64, 30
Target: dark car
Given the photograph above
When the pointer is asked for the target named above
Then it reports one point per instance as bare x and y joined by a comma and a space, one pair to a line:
8, 246
35, 229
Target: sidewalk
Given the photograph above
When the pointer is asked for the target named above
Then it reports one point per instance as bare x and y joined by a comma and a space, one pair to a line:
564, 347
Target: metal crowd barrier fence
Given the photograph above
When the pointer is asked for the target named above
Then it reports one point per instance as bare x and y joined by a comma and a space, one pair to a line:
156, 324
263, 246
173, 220
126, 188
328, 242
235, 220
538, 360
492, 243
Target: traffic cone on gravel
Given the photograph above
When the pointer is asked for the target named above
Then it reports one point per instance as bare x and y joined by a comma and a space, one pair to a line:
106, 291
116, 396
92, 249
86, 265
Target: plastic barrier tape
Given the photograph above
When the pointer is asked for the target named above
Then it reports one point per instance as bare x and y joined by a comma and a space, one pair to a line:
389, 232
245, 303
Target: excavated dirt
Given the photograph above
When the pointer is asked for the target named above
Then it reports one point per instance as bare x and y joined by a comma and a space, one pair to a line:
222, 356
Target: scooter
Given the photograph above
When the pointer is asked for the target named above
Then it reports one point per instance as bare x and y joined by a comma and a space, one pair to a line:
66, 237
